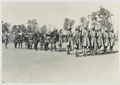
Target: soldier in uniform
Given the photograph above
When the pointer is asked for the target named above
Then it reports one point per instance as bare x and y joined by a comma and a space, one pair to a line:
77, 40
52, 40
41, 41
69, 47
20, 40
46, 44
36, 40
30, 40
85, 41
93, 40
99, 40
16, 40
111, 40
26, 41
60, 40
6, 39
56, 38
89, 37
105, 40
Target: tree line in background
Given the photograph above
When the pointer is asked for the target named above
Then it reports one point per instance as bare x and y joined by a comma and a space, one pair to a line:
102, 17
32, 26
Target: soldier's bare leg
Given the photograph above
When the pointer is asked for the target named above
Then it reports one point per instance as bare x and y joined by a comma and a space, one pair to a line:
5, 45
83, 51
105, 49
111, 49
55, 46
91, 50
51, 47
60, 49
15, 44
68, 49
76, 52
21, 45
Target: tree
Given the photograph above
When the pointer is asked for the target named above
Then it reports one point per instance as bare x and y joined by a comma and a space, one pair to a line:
82, 19
43, 29
71, 24
14, 28
5, 27
68, 24
84, 22
32, 26
23, 28
103, 17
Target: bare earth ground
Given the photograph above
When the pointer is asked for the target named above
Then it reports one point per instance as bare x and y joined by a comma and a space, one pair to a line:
21, 65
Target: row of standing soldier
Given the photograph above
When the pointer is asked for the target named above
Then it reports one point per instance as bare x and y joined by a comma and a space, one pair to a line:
83, 39
94, 40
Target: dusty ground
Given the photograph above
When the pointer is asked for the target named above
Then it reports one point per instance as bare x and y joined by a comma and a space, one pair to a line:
21, 65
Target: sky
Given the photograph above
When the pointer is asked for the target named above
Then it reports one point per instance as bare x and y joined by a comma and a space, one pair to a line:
53, 12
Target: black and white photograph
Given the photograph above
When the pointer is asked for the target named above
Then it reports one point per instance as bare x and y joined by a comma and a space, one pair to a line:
60, 42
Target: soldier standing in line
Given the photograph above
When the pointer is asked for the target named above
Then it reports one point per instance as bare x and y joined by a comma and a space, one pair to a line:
36, 40
69, 47
46, 44
99, 40
93, 40
105, 40
26, 41
55, 38
6, 39
60, 40
111, 40
85, 41
30, 40
16, 40
52, 40
20, 40
77, 40
41, 41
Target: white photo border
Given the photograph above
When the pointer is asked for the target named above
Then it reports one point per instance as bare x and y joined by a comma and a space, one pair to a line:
56, 83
